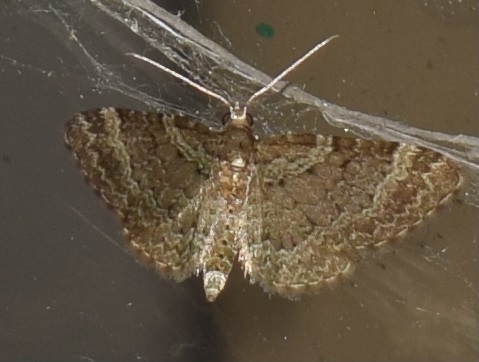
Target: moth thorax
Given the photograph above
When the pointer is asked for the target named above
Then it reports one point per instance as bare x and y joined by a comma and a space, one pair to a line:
238, 164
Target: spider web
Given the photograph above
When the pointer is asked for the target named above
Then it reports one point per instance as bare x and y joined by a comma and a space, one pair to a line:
100, 34
165, 38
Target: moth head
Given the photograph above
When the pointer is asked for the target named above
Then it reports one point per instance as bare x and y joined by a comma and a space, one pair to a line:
238, 116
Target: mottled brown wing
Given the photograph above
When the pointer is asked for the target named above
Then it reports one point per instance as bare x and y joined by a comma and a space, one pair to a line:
149, 168
325, 198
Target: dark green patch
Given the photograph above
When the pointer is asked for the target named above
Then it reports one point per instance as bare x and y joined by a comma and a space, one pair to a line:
264, 30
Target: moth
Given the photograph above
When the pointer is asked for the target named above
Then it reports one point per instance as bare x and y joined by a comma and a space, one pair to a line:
295, 210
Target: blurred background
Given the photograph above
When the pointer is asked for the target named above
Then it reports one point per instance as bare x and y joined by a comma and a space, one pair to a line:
70, 291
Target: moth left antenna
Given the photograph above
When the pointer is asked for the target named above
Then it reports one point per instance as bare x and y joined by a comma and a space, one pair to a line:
236, 111
183, 78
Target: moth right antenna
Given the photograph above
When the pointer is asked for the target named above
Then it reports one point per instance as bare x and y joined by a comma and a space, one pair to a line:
290, 68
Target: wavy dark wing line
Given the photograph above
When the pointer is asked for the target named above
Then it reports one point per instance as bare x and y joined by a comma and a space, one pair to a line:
144, 166
325, 198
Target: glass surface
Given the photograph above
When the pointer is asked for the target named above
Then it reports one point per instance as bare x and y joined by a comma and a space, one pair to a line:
71, 291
